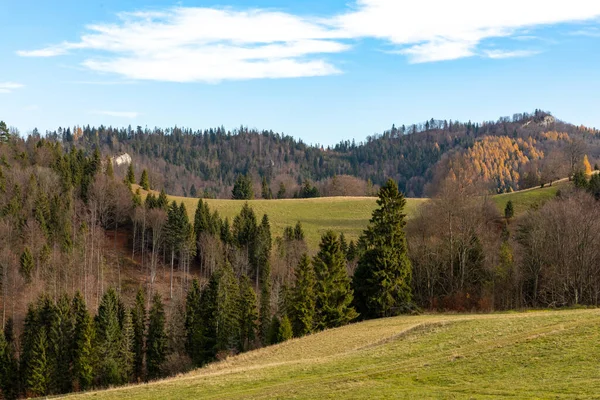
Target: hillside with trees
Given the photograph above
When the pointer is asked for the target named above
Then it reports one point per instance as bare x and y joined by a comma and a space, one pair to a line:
207, 163
101, 287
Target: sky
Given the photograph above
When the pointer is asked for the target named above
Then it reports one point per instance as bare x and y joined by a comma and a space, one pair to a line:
323, 71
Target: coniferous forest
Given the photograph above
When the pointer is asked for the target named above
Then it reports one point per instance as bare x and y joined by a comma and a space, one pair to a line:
102, 286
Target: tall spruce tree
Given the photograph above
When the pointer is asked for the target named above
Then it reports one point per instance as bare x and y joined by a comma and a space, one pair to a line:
26, 264
509, 210
193, 324
383, 276
83, 339
138, 319
248, 314
108, 339
126, 350
333, 294
156, 342
9, 367
39, 377
60, 337
302, 307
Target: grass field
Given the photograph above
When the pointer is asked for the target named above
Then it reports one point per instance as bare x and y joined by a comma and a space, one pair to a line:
543, 354
349, 215
525, 199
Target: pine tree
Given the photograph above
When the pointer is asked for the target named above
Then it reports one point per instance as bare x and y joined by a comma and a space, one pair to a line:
138, 319
144, 180
302, 308
130, 177
248, 314
509, 210
285, 330
156, 342
26, 264
83, 339
333, 295
193, 324
383, 276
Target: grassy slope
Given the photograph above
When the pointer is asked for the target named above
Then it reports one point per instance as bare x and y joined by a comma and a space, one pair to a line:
551, 354
349, 215
525, 199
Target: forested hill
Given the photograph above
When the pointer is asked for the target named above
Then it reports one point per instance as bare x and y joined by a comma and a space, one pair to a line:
512, 153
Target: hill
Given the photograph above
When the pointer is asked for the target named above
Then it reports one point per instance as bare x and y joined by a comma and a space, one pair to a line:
526, 355
512, 153
347, 215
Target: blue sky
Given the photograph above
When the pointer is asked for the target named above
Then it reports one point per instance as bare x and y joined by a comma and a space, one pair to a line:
322, 70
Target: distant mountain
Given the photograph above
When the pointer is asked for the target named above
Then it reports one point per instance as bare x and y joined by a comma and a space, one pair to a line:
534, 147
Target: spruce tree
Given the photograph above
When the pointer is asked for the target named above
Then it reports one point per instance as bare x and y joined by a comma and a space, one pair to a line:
38, 379
109, 339
83, 339
333, 295
242, 188
248, 314
383, 276
227, 310
26, 264
126, 350
4, 133
193, 324
28, 339
130, 177
273, 332
138, 317
285, 330
302, 308
9, 367
156, 342
145, 181
60, 337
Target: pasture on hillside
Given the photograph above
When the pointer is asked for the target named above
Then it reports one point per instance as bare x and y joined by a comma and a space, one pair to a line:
541, 354
347, 215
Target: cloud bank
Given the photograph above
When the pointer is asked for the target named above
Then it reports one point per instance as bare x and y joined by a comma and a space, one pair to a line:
191, 44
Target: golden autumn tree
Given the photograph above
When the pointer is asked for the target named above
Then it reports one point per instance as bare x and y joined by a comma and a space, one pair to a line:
587, 167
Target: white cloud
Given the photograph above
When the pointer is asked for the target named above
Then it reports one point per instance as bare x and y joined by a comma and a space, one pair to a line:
187, 44
590, 32
8, 87
499, 54
435, 30
118, 114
